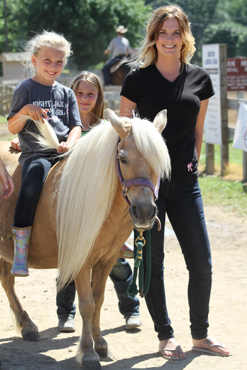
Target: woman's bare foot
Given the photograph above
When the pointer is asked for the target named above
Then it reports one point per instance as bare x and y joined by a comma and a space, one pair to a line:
170, 350
209, 344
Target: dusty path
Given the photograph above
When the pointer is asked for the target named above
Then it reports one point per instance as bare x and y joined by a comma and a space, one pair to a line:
138, 350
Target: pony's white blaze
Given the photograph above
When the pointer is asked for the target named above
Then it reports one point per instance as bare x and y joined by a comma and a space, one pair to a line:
88, 186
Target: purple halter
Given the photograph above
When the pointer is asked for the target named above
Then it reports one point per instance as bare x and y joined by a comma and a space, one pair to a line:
139, 181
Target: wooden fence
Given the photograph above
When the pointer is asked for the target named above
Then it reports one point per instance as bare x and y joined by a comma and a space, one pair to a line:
5, 98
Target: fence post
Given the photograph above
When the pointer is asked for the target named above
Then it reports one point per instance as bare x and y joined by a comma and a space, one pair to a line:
244, 167
224, 115
209, 159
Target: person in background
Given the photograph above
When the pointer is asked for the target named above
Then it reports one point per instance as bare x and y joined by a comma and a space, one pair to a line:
120, 48
166, 80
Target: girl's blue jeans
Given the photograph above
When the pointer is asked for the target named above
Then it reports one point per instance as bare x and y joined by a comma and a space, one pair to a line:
182, 202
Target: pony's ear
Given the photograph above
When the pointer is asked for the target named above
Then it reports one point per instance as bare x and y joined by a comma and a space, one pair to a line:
116, 122
160, 120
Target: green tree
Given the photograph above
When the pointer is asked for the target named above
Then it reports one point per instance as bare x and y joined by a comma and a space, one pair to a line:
238, 11
230, 33
88, 24
14, 33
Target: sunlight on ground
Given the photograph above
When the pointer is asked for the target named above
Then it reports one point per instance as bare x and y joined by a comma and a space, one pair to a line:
233, 172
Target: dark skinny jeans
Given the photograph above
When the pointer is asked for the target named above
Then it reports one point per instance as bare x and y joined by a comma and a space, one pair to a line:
34, 173
183, 204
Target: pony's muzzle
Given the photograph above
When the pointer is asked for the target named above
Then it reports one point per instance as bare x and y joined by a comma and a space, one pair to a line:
143, 216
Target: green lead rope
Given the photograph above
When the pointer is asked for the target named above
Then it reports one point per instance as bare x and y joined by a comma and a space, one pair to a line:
139, 243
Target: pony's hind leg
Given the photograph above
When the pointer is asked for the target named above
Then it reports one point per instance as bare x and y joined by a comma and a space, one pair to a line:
29, 330
90, 359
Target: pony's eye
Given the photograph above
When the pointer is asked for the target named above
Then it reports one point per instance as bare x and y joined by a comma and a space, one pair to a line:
123, 160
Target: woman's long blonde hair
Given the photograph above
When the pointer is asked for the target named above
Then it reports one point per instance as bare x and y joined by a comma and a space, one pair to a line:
148, 52
98, 111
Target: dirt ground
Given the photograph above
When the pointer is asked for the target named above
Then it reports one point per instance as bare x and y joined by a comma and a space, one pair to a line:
138, 349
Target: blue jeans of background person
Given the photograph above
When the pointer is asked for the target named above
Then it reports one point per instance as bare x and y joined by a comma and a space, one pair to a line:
65, 301
108, 65
34, 173
183, 204
121, 275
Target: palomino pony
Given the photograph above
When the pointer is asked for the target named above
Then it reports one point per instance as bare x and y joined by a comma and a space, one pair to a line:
82, 219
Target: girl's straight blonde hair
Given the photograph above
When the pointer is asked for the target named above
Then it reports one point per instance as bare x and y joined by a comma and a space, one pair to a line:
98, 111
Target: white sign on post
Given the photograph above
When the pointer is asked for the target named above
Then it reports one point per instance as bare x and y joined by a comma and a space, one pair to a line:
212, 124
240, 134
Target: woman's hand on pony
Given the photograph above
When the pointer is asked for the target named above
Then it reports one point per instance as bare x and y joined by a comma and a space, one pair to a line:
6, 180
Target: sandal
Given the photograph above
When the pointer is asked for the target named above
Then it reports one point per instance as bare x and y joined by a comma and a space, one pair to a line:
177, 350
209, 351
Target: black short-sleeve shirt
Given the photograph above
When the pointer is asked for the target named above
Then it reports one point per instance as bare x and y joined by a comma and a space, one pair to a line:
182, 99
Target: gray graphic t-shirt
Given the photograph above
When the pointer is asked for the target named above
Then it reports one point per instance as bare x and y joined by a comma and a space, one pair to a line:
63, 114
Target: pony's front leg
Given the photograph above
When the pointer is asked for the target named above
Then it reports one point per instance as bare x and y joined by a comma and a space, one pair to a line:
29, 330
89, 359
100, 274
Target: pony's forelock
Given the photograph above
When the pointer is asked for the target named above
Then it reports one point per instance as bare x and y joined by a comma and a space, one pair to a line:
152, 146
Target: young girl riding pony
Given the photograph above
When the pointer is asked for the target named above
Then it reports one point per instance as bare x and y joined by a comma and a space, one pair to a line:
40, 97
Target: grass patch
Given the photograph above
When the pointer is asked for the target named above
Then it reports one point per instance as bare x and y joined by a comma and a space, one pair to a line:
235, 155
7, 137
225, 191
3, 119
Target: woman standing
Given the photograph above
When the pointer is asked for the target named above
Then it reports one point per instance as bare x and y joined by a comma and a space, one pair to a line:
166, 80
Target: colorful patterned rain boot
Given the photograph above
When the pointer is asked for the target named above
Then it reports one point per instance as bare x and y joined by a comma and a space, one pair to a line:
21, 243
126, 251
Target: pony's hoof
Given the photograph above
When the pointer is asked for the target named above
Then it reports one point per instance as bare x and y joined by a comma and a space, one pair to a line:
102, 352
91, 365
32, 336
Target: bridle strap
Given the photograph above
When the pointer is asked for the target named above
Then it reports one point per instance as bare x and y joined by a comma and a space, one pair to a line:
138, 181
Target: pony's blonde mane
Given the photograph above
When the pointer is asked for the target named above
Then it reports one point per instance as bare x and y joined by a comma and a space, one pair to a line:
86, 192
88, 186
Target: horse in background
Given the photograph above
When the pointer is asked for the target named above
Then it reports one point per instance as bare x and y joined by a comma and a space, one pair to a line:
122, 68
82, 219
119, 71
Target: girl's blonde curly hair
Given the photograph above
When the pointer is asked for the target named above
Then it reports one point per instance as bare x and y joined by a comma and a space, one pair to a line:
48, 39
148, 52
